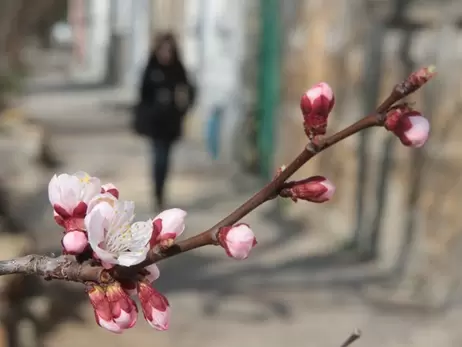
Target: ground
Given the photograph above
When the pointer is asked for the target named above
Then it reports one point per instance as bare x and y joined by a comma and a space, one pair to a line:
291, 291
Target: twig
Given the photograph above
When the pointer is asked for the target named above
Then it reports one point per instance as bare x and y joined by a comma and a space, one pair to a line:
67, 268
355, 335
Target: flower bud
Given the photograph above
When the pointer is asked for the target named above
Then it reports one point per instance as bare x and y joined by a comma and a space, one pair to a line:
123, 308
111, 189
316, 104
168, 225
102, 309
237, 240
74, 242
155, 306
314, 189
409, 126
417, 79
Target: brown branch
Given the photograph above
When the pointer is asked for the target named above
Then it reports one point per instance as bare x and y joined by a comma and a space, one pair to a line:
67, 268
352, 338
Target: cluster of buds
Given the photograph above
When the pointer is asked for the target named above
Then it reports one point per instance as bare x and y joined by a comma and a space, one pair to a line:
114, 309
410, 126
316, 104
99, 226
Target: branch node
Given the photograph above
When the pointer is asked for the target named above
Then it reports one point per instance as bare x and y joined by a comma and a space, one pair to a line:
105, 277
312, 148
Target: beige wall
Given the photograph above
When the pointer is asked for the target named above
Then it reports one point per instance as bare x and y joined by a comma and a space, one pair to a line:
168, 15
328, 45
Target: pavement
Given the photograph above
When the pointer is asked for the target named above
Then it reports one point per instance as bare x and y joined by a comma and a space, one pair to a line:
293, 290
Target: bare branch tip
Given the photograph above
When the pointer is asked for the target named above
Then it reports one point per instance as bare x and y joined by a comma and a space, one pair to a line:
355, 335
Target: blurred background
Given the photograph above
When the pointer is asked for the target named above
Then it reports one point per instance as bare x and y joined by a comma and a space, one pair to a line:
382, 256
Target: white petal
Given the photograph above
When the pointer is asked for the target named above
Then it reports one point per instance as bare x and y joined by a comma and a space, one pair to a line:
110, 325
54, 192
95, 223
90, 186
105, 256
105, 197
124, 214
132, 257
82, 176
69, 192
91, 189
172, 221
154, 272
141, 233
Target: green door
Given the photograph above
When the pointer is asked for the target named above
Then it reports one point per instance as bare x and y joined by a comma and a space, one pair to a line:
269, 83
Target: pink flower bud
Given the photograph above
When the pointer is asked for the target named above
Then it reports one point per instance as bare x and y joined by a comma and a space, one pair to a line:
102, 309
417, 79
314, 189
123, 308
316, 104
168, 225
155, 306
413, 131
408, 125
74, 242
237, 240
111, 189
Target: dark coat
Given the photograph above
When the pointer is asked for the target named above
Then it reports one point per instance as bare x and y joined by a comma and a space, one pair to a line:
157, 114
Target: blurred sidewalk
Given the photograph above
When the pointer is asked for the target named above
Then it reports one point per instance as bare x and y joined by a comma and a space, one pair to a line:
291, 291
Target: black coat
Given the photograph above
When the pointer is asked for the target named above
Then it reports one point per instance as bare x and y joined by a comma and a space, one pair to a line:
157, 115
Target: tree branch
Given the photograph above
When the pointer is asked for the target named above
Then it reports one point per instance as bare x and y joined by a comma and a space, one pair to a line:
67, 268
355, 335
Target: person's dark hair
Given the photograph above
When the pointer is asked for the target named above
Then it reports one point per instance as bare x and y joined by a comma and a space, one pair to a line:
166, 37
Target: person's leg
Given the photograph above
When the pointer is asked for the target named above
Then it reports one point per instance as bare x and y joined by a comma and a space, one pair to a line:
161, 168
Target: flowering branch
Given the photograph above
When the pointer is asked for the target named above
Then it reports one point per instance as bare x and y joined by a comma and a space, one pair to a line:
115, 258
273, 188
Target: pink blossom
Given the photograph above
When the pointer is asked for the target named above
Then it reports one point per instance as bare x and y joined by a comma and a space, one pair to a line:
314, 189
155, 306
237, 240
111, 189
114, 238
74, 242
168, 225
69, 195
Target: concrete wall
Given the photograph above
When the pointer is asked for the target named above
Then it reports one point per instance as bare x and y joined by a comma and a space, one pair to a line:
327, 43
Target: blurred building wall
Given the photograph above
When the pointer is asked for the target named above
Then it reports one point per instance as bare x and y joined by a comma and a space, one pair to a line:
326, 42
111, 39
90, 21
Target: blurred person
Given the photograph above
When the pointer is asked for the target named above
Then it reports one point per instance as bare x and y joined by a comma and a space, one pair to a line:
166, 94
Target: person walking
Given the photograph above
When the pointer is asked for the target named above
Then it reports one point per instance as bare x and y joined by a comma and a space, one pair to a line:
166, 94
